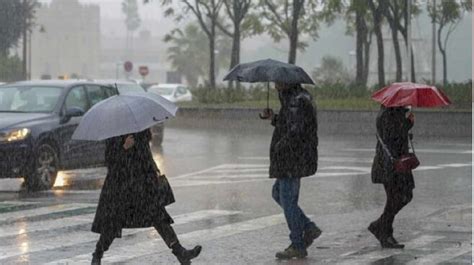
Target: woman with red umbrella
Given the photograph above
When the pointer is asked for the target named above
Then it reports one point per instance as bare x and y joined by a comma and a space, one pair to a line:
393, 163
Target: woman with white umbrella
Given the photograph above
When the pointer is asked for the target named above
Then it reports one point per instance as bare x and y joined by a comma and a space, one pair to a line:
134, 194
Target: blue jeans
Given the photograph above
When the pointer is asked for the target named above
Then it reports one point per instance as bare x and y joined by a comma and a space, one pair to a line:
286, 193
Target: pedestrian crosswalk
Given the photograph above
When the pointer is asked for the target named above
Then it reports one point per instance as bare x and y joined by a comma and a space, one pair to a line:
45, 234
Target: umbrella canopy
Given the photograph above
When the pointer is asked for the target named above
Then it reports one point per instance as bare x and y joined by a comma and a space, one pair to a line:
268, 71
123, 114
411, 94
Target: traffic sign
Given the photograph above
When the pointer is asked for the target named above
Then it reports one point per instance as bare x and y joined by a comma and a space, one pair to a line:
143, 70
128, 66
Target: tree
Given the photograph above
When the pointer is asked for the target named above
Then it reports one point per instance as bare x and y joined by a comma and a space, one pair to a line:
132, 20
207, 14
11, 24
447, 14
186, 52
244, 24
358, 19
397, 15
290, 19
377, 15
331, 71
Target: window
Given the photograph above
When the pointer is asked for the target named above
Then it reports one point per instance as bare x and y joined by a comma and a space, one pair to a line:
29, 98
77, 98
96, 94
181, 91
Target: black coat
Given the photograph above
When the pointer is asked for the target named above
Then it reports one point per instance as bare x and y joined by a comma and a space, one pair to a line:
130, 194
294, 146
393, 128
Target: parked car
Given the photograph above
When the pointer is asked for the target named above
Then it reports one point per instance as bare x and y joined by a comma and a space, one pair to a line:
125, 86
172, 92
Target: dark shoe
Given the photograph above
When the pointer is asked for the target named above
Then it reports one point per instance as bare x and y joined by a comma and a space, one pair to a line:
96, 258
390, 242
185, 256
311, 234
376, 231
292, 252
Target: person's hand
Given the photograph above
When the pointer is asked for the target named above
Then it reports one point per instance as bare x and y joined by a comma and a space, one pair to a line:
267, 114
411, 118
129, 142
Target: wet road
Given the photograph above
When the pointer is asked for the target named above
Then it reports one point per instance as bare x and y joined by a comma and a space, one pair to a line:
223, 193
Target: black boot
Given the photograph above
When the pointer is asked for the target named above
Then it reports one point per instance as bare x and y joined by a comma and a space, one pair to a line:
185, 256
96, 257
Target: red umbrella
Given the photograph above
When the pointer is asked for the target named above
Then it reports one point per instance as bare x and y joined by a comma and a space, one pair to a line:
411, 94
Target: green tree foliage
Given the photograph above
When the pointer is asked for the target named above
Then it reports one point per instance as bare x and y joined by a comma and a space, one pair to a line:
290, 19
447, 14
331, 71
188, 51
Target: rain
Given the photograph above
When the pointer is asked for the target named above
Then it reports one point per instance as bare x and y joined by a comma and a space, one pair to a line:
236, 132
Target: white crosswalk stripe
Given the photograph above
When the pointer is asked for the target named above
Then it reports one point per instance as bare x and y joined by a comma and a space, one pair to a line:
149, 247
79, 237
11, 216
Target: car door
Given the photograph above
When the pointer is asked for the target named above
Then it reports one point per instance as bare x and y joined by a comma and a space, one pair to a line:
95, 94
75, 153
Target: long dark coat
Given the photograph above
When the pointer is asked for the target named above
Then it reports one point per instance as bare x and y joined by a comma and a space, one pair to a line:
294, 146
129, 196
393, 128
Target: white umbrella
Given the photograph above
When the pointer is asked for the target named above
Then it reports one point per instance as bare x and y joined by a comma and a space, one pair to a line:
123, 114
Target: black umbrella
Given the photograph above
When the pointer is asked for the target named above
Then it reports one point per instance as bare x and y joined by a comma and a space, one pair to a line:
268, 71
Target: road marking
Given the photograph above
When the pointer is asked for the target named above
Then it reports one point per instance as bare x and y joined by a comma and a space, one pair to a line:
197, 172
320, 159
79, 237
149, 247
443, 255
18, 203
11, 184
428, 151
376, 254
11, 216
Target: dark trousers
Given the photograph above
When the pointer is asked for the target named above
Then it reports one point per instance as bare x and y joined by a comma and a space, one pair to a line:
398, 195
165, 230
286, 193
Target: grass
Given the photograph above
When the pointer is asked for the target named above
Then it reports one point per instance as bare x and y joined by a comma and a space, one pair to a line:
360, 104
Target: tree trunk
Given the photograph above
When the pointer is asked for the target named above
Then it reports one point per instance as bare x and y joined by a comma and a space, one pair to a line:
293, 46
380, 50
235, 56
361, 37
398, 56
293, 36
212, 55
367, 44
443, 54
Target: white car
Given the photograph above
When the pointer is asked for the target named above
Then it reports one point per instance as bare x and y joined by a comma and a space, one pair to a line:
172, 92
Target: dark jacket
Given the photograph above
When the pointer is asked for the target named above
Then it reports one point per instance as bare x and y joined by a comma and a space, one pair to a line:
393, 128
294, 146
130, 194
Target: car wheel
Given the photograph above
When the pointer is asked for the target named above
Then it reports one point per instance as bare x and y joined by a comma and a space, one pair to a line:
45, 169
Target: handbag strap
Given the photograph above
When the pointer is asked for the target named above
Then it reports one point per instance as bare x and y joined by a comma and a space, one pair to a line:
384, 147
411, 142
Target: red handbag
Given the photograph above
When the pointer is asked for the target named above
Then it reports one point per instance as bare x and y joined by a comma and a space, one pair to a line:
406, 163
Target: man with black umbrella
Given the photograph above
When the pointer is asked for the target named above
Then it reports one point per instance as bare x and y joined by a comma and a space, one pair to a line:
293, 155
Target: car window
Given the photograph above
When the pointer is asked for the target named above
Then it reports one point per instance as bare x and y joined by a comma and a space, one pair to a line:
181, 91
96, 94
29, 98
77, 98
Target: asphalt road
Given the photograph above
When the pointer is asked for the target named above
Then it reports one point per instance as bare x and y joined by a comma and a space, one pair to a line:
219, 171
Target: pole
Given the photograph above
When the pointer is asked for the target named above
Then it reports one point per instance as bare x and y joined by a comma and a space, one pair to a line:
433, 48
409, 40
29, 56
